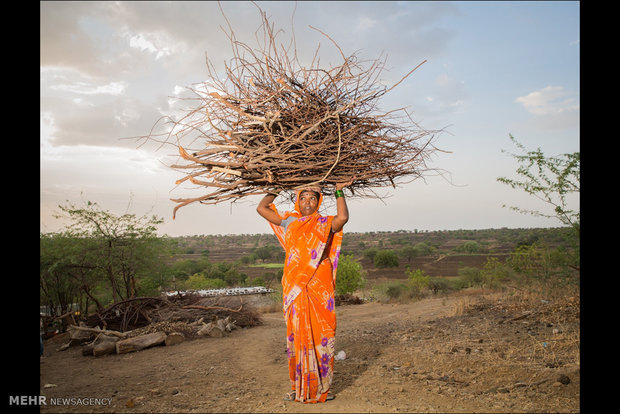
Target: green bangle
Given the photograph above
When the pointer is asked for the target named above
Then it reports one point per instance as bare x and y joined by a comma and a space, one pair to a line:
339, 193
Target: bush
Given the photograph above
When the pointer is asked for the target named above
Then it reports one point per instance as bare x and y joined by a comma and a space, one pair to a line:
418, 281
258, 281
470, 247
395, 290
349, 276
198, 281
439, 284
370, 253
470, 277
385, 258
494, 272
423, 249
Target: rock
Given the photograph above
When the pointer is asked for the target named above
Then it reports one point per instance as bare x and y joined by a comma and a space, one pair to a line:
564, 379
341, 356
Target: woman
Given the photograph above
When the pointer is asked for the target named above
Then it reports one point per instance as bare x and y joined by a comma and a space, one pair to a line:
312, 245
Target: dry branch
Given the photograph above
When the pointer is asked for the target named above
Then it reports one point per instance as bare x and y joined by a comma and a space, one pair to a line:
272, 126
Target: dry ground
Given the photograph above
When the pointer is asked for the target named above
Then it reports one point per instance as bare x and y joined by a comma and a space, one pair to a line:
469, 352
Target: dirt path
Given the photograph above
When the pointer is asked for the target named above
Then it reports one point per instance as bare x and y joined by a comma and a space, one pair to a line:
418, 357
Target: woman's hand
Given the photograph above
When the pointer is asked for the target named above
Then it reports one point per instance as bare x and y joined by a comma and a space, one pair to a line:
340, 186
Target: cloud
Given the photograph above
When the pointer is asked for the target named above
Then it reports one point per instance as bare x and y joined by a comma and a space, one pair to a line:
553, 107
147, 42
112, 88
549, 100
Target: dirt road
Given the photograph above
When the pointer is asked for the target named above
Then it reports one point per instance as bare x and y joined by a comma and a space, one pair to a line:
460, 353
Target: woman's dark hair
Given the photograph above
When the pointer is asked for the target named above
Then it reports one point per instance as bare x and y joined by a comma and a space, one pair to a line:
316, 193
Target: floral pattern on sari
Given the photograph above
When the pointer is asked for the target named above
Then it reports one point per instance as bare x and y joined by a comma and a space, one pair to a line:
308, 285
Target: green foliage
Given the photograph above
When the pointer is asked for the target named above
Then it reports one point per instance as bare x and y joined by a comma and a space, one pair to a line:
199, 281
98, 249
494, 272
418, 250
470, 277
424, 249
370, 253
258, 281
470, 247
550, 179
418, 281
395, 290
440, 284
408, 252
547, 268
385, 258
182, 269
249, 259
269, 251
349, 276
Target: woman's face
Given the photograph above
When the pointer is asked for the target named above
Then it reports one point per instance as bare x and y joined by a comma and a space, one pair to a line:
308, 202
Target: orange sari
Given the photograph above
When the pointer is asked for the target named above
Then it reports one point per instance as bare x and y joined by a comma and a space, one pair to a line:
308, 283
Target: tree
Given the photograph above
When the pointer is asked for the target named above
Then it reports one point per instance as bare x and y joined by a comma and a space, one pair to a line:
409, 252
67, 274
386, 258
550, 179
264, 252
469, 246
424, 249
123, 248
349, 276
370, 253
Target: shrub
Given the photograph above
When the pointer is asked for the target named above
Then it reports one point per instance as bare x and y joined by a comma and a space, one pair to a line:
258, 281
418, 281
470, 277
349, 276
494, 272
395, 290
439, 284
370, 253
385, 258
470, 246
198, 281
423, 249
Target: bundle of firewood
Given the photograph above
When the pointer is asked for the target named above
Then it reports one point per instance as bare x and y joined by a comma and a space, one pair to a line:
270, 126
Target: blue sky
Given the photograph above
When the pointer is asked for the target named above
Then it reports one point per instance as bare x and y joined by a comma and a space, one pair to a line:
109, 70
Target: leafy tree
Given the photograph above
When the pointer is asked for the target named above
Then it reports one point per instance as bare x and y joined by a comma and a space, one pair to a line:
386, 258
264, 252
408, 252
370, 253
349, 276
550, 179
424, 249
122, 248
67, 273
469, 246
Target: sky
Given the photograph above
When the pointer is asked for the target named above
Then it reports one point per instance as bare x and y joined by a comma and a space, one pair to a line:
110, 70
